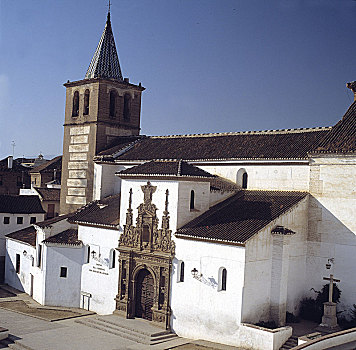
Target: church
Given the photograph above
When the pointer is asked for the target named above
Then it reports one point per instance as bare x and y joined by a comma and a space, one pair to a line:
204, 234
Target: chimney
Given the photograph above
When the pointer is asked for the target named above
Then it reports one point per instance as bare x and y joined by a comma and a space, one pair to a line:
10, 161
352, 87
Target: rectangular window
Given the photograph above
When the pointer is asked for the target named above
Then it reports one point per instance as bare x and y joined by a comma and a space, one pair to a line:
19, 182
6, 220
33, 220
39, 255
17, 263
0, 180
63, 273
20, 220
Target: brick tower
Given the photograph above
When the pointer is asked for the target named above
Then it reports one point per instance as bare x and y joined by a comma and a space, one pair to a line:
100, 108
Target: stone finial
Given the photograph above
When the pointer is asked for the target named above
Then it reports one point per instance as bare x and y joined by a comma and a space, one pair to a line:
352, 87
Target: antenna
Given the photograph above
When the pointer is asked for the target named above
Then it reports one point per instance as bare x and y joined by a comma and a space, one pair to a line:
109, 5
13, 144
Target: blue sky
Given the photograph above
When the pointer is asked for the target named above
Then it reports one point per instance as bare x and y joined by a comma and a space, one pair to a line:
208, 66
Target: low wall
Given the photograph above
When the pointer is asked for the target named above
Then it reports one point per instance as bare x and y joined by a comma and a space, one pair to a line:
330, 340
259, 338
4, 333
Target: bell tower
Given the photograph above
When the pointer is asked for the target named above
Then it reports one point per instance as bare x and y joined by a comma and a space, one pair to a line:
100, 108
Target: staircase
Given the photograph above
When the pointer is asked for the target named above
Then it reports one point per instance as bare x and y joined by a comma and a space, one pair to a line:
136, 330
290, 343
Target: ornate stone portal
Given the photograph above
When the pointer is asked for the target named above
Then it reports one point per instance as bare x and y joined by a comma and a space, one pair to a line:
145, 251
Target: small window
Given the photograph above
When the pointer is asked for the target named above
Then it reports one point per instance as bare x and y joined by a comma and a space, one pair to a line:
75, 111
244, 180
17, 263
0, 180
181, 271
112, 258
222, 279
192, 200
19, 181
63, 272
19, 220
86, 102
33, 220
112, 104
39, 255
6, 220
127, 107
241, 178
87, 256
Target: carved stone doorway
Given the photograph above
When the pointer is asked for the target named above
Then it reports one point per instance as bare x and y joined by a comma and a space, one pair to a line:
144, 295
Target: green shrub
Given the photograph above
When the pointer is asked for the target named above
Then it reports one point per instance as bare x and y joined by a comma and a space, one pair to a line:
313, 309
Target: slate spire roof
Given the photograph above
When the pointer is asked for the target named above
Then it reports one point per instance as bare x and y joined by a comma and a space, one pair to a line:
105, 62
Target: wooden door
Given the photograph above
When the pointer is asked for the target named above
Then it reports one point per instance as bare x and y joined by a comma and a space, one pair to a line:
144, 295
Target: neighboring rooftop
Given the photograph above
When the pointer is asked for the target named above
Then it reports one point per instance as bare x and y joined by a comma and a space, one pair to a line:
241, 216
16, 165
67, 237
49, 194
104, 212
49, 222
271, 144
49, 166
105, 62
342, 137
15, 204
26, 235
165, 168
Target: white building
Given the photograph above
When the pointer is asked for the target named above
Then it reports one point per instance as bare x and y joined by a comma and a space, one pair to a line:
16, 212
203, 234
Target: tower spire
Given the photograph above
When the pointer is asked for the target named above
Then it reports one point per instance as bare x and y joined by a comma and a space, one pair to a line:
105, 62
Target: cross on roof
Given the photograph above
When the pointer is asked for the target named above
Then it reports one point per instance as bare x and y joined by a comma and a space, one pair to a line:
331, 285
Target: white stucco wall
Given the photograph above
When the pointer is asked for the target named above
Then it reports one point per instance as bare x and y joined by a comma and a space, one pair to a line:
14, 226
62, 291
199, 310
332, 225
21, 280
106, 183
266, 286
98, 279
266, 177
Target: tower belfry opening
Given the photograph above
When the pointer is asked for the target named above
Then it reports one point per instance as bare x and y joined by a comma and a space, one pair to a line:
99, 110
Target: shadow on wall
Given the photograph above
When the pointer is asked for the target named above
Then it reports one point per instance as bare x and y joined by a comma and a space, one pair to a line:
330, 238
13, 279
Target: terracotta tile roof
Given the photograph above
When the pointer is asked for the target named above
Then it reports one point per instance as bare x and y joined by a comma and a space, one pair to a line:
218, 183
20, 204
49, 194
241, 216
26, 235
342, 137
118, 145
49, 166
49, 222
104, 212
67, 237
175, 168
273, 144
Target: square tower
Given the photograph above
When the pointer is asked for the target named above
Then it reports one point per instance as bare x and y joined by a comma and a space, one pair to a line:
100, 108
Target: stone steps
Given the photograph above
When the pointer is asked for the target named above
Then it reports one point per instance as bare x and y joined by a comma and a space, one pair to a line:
290, 343
135, 332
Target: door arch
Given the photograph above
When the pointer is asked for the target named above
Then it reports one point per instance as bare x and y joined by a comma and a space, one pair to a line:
144, 295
